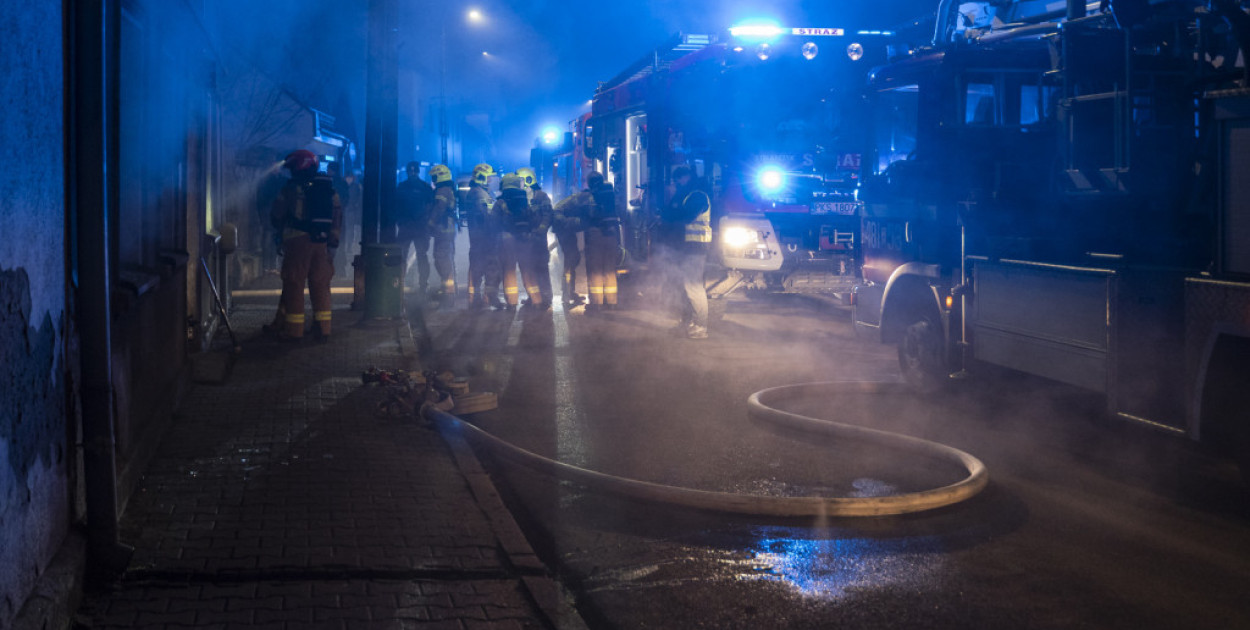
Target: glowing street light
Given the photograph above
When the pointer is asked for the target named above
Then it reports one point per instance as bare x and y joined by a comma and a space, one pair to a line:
473, 16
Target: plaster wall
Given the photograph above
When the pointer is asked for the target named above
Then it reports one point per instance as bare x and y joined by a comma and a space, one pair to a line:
34, 453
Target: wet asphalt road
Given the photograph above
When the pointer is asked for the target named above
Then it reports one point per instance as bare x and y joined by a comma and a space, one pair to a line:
1086, 523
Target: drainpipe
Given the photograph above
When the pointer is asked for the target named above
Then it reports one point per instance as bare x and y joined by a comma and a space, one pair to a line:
93, 64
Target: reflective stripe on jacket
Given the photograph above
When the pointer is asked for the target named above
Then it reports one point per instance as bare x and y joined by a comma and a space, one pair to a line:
700, 229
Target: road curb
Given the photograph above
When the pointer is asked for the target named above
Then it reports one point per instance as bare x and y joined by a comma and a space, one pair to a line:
546, 593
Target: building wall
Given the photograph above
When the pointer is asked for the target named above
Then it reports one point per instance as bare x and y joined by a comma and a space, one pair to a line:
34, 446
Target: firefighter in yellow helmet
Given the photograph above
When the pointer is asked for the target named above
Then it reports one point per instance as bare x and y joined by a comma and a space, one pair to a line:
522, 224
541, 201
443, 229
309, 215
484, 270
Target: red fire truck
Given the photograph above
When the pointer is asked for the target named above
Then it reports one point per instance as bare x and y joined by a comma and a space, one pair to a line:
773, 121
1068, 195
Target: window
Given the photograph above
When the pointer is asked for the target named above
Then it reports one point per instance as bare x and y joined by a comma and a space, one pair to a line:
1037, 103
980, 104
895, 124
1007, 99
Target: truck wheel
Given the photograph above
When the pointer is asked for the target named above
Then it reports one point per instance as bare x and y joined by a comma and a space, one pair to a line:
920, 356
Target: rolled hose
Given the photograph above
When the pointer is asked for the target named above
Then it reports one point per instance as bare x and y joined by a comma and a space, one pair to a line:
760, 410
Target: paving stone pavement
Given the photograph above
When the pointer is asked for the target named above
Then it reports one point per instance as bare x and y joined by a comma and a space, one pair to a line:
280, 500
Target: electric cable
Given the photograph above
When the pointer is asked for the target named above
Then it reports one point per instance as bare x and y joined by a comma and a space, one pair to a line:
760, 409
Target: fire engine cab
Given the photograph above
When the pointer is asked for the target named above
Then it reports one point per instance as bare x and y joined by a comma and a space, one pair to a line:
1067, 194
773, 120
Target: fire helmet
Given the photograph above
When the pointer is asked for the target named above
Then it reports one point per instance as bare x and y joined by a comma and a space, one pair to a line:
440, 173
511, 181
301, 161
482, 174
528, 178
594, 179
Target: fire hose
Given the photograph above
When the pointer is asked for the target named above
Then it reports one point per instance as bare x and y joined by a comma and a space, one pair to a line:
760, 409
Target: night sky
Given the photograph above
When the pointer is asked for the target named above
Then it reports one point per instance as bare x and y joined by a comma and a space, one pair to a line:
545, 57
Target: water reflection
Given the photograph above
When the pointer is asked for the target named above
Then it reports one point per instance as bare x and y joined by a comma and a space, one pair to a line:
832, 567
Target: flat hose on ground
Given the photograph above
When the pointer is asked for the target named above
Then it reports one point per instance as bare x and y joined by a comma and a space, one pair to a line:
760, 410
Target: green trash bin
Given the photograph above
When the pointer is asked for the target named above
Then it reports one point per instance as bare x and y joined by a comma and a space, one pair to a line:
384, 280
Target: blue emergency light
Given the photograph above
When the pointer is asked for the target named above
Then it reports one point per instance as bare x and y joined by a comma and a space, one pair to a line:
770, 180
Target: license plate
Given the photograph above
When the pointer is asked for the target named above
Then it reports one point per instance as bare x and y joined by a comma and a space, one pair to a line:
835, 207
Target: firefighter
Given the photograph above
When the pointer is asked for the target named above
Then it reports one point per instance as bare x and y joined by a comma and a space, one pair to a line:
603, 246
522, 224
443, 228
541, 202
309, 215
411, 216
484, 270
568, 223
686, 234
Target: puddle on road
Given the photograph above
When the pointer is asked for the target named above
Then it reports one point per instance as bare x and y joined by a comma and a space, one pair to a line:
814, 564
830, 568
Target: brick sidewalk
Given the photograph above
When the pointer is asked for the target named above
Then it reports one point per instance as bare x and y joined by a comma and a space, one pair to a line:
279, 500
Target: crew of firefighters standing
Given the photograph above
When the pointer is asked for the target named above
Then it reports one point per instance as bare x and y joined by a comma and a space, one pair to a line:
508, 246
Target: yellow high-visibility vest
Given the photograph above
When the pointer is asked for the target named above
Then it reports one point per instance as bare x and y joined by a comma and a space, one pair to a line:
700, 229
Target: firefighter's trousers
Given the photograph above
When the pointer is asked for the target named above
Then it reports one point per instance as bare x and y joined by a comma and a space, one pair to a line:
416, 234
542, 264
517, 250
571, 255
683, 269
304, 261
484, 270
445, 259
603, 250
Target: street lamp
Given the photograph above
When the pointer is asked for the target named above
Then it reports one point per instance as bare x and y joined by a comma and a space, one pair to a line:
476, 17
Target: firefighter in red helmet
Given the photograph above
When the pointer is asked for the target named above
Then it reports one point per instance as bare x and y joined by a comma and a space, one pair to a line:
309, 214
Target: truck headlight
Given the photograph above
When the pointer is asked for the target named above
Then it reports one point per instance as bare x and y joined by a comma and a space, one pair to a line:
740, 237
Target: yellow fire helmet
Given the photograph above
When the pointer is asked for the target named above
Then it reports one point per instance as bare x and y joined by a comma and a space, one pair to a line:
482, 174
440, 173
510, 181
528, 178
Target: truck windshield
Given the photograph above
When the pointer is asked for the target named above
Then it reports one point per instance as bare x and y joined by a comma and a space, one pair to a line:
800, 119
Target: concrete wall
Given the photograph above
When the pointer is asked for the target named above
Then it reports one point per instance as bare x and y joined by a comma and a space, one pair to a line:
35, 456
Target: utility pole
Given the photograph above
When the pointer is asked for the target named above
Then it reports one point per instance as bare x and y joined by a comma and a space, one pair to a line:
383, 293
381, 118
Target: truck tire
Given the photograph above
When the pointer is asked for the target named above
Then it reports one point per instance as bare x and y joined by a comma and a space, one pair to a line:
920, 352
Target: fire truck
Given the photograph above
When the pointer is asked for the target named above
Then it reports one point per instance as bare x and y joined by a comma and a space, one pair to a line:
1067, 194
773, 122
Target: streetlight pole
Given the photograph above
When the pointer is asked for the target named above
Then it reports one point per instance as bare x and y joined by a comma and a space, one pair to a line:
442, 97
